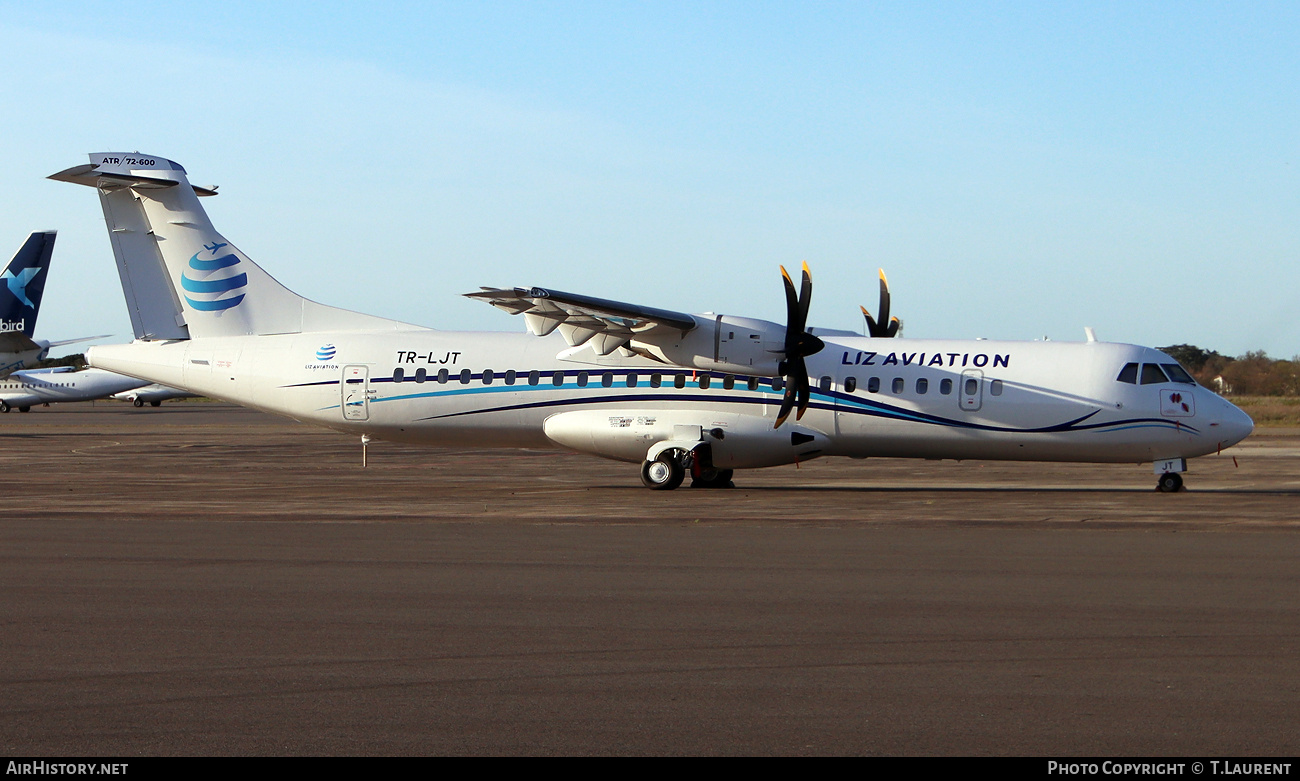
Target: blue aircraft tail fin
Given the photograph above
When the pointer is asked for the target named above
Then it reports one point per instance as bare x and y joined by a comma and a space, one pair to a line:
22, 283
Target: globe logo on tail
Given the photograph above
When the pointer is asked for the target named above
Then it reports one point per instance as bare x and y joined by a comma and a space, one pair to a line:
210, 285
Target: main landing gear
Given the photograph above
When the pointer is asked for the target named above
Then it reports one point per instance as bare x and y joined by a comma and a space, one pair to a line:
669, 469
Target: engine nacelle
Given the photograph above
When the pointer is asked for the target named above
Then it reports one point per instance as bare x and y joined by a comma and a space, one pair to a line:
722, 343
736, 441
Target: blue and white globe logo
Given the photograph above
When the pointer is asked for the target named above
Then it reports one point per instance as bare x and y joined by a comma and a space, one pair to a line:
210, 282
325, 353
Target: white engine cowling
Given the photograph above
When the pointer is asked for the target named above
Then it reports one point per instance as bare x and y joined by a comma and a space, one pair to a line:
737, 441
722, 343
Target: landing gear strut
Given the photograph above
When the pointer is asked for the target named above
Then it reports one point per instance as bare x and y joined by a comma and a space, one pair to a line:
1169, 482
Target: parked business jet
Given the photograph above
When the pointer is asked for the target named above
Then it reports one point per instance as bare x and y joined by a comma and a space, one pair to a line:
153, 395
28, 387
20, 302
697, 394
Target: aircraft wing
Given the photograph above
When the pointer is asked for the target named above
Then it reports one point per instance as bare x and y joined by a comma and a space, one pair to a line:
42, 372
710, 341
608, 325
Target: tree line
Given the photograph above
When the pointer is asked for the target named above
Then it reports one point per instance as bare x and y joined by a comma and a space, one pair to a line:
1252, 374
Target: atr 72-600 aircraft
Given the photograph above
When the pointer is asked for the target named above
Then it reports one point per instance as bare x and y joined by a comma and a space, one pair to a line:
678, 393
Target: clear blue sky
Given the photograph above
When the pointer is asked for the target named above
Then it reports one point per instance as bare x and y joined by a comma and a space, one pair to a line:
1019, 169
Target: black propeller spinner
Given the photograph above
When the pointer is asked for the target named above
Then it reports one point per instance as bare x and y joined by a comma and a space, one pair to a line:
887, 326
799, 344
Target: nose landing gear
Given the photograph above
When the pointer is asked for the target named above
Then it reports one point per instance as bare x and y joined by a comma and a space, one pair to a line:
1170, 482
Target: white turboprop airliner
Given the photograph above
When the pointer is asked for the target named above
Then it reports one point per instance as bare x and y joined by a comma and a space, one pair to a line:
29, 387
678, 393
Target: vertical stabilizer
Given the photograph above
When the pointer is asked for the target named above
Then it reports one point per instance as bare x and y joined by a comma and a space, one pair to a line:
183, 279
24, 284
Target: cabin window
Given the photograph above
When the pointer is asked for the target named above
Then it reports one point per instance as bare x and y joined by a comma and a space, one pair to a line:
1128, 374
487, 376
679, 381
534, 377
898, 385
582, 379
922, 386
729, 382
464, 376
752, 383
873, 385
420, 375
656, 380
995, 388
398, 375
631, 380
1152, 374
557, 378
510, 377
443, 376
1178, 373
824, 384
704, 382
607, 380
850, 384
972, 386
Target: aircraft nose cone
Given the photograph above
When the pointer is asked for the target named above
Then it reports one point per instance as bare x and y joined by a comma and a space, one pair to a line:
1235, 426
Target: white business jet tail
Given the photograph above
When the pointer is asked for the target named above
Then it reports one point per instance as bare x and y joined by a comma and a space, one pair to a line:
182, 279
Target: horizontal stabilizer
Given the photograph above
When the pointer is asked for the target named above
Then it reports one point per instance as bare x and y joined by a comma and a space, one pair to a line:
92, 175
78, 339
16, 342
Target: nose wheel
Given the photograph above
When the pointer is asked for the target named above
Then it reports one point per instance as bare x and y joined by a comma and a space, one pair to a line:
1170, 482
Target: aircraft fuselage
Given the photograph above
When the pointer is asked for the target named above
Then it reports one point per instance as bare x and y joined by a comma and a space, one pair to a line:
1049, 401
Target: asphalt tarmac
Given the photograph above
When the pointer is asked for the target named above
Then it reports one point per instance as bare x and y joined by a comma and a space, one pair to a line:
200, 579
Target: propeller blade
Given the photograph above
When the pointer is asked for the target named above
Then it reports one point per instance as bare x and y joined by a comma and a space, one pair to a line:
871, 321
884, 298
798, 345
787, 404
804, 392
886, 326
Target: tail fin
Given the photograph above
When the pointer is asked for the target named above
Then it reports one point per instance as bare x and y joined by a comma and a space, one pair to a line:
181, 277
24, 284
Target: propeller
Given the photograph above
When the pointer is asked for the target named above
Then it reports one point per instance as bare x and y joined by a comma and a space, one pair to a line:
887, 326
799, 344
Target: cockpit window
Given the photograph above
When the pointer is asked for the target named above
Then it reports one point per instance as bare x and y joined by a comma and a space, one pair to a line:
1178, 373
1129, 374
1152, 374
